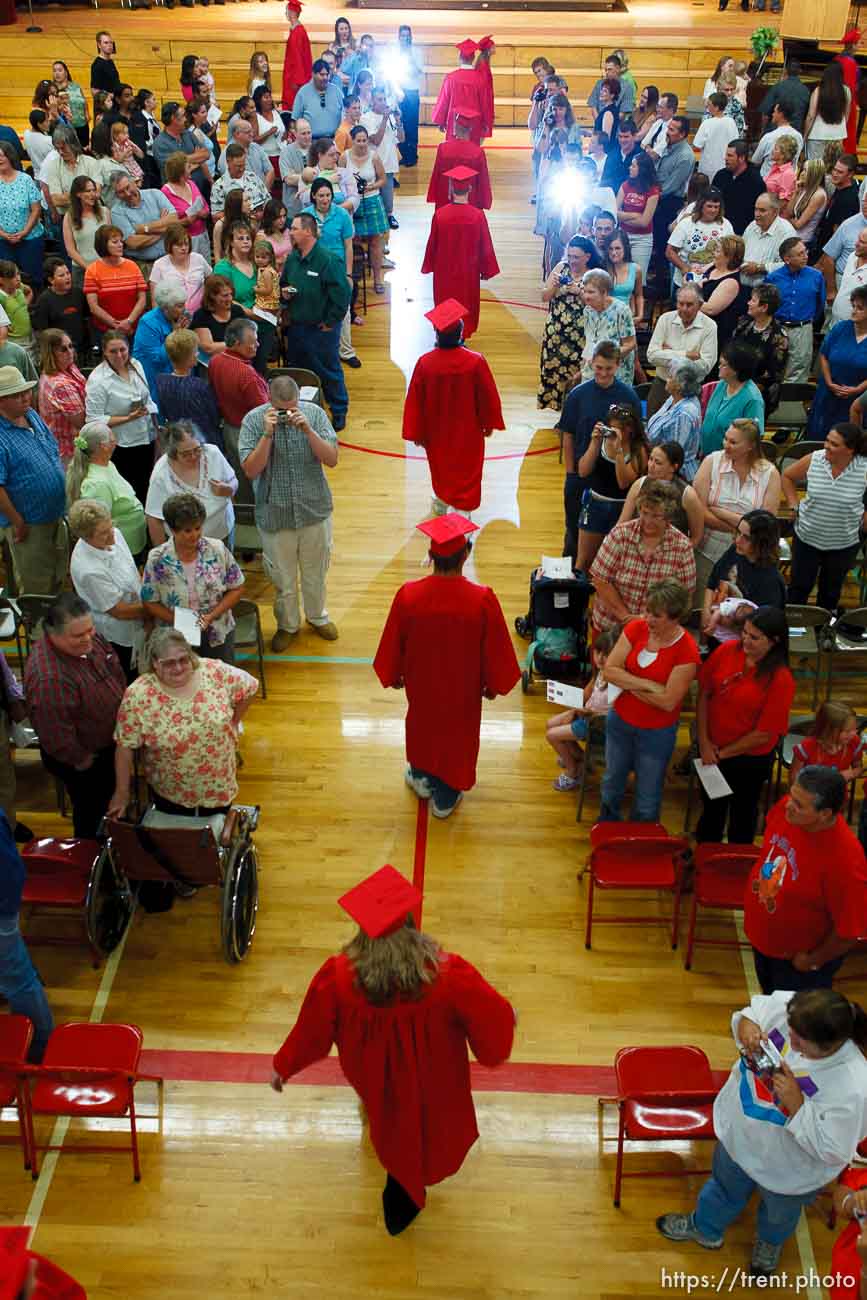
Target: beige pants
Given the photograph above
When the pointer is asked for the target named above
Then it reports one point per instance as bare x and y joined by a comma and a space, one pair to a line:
800, 360
41, 561
284, 554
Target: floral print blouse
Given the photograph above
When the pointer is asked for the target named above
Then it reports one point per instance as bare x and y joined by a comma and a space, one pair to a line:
165, 583
188, 741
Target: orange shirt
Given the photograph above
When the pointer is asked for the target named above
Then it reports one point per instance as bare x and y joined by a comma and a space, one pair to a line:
116, 287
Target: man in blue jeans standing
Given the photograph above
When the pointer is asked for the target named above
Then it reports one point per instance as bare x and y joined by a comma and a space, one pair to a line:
19, 982
316, 289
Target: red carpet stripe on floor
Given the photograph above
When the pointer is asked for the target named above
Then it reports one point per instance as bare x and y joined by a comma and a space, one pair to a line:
420, 853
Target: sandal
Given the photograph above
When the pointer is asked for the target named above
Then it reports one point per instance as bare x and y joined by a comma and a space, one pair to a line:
564, 782
358, 320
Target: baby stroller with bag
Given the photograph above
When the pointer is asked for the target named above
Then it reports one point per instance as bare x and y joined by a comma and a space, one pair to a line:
556, 627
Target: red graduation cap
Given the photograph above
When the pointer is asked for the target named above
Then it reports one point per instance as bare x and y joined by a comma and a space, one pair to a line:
446, 315
14, 1261
294, 5
467, 48
486, 43
447, 533
461, 176
382, 902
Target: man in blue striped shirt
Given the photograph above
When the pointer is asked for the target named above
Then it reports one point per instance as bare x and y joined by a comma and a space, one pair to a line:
32, 490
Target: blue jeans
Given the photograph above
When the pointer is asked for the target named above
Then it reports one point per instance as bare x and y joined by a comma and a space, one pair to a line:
726, 1194
28, 256
22, 987
444, 796
317, 350
644, 751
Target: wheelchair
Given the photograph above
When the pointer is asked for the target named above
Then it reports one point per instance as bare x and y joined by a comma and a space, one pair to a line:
77, 876
190, 853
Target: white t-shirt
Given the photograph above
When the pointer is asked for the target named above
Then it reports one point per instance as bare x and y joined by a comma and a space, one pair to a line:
387, 147
38, 146
713, 138
690, 239
220, 514
105, 579
853, 277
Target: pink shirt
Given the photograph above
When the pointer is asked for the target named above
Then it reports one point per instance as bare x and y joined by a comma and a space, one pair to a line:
180, 206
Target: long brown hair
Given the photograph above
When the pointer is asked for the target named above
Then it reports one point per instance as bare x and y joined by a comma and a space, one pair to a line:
398, 965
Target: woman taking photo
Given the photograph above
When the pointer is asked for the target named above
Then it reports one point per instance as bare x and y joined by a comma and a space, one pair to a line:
637, 201
563, 333
679, 417
775, 1137
189, 466
760, 331
616, 456
103, 573
371, 222
654, 663
626, 279
734, 396
606, 319
828, 519
92, 477
842, 369
80, 224
665, 465
745, 693
212, 318
181, 266
687, 247
827, 113
749, 566
61, 390
193, 572
187, 200
724, 296
79, 108
182, 713
728, 484
118, 394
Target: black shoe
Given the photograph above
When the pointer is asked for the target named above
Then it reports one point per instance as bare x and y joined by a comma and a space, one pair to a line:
396, 183
23, 834
354, 363
394, 224
398, 1207
338, 423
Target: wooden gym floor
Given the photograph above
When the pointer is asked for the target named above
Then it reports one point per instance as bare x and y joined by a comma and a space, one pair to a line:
248, 1193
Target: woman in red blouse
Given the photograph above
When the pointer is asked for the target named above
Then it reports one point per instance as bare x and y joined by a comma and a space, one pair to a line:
745, 694
653, 664
637, 200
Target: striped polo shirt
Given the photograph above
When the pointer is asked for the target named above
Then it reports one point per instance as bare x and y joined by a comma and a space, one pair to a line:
830, 513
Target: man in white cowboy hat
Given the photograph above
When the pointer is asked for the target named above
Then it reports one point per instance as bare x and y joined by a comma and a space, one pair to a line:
32, 489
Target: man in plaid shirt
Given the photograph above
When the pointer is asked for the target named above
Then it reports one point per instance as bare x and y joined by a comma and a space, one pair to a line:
74, 684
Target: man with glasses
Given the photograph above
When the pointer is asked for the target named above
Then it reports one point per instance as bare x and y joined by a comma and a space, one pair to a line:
142, 217
320, 101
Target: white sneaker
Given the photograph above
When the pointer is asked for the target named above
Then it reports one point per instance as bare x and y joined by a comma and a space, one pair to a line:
417, 784
442, 813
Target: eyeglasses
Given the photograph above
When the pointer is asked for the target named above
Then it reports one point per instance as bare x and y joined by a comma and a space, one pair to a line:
192, 453
180, 662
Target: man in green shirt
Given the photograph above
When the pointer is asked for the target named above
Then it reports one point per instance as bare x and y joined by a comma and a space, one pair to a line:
316, 288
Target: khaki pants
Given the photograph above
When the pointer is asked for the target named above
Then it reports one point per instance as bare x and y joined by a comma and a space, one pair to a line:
7, 772
283, 554
346, 349
40, 562
800, 359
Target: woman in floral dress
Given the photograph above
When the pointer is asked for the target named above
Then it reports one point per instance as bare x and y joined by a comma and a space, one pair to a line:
607, 320
563, 335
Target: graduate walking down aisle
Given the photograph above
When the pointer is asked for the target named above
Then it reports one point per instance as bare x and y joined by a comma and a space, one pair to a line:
462, 89
452, 405
402, 1013
460, 152
298, 59
459, 250
446, 643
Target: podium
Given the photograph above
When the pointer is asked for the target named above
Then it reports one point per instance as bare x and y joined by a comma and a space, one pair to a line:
815, 20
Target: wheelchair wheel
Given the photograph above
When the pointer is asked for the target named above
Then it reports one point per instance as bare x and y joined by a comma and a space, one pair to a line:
108, 906
240, 902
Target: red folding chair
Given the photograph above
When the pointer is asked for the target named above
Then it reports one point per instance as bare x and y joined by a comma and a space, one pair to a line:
88, 1071
604, 832
629, 862
76, 876
16, 1034
721, 872
664, 1094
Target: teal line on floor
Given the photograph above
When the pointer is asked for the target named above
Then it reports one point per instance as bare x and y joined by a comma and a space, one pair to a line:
307, 659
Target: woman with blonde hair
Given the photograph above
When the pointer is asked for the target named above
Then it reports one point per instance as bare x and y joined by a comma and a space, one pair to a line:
92, 476
104, 574
780, 180
806, 208
62, 389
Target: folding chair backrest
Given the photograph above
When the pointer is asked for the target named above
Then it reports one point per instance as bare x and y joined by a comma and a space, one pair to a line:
797, 451
157, 853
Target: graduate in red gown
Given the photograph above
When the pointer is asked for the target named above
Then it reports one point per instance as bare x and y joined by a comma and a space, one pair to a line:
459, 249
851, 72
446, 642
402, 1013
452, 406
460, 152
463, 88
25, 1274
483, 70
298, 60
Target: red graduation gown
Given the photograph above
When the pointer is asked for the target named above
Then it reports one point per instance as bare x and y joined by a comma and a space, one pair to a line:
483, 72
849, 67
463, 88
460, 254
297, 65
452, 401
446, 640
407, 1061
460, 153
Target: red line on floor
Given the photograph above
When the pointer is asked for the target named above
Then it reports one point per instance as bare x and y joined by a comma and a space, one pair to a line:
506, 148
402, 455
418, 861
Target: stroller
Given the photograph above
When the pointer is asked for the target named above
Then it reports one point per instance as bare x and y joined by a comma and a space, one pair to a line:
556, 627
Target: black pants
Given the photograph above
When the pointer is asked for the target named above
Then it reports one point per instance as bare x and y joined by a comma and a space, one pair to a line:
746, 774
124, 654
136, 465
775, 973
667, 209
409, 112
831, 567
573, 490
89, 791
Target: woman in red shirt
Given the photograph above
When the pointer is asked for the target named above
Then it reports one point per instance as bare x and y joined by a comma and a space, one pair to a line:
849, 1256
653, 664
745, 694
637, 200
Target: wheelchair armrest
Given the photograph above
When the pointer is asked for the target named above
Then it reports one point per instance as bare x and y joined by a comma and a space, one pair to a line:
229, 828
